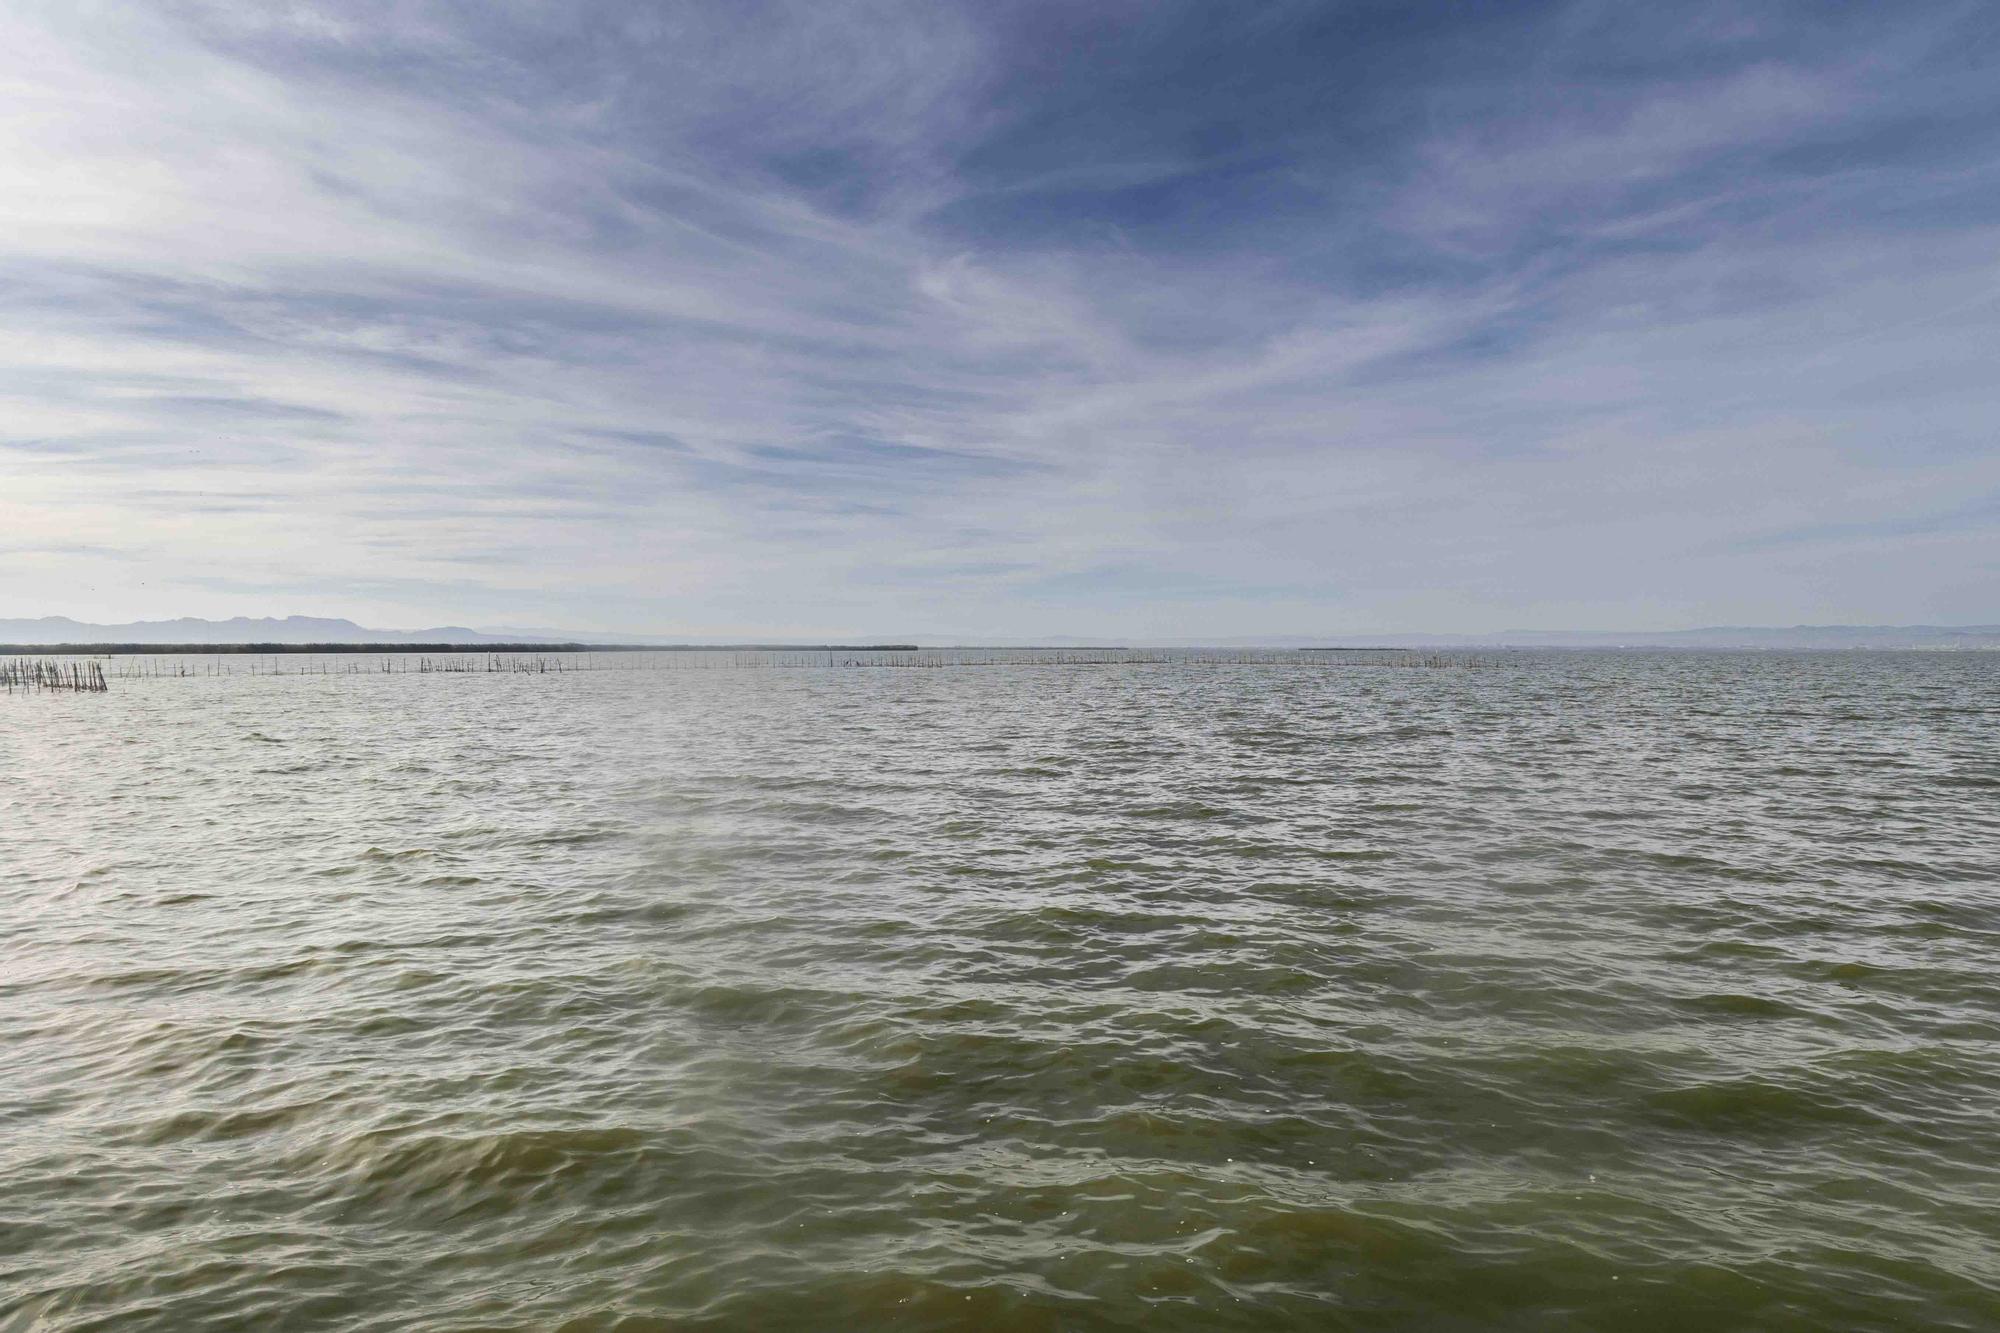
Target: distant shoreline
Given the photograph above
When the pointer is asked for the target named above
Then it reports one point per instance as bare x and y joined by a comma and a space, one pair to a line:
220, 649
118, 649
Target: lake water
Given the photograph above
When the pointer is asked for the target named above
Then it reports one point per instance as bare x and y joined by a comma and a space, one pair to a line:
1582, 991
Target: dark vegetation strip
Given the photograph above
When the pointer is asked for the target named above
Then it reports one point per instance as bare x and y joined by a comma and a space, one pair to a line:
267, 649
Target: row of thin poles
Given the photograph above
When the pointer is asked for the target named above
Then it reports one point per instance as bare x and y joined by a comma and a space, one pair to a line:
141, 667
145, 666
25, 674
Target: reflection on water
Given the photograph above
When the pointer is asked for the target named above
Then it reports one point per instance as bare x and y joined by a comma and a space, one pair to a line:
1589, 991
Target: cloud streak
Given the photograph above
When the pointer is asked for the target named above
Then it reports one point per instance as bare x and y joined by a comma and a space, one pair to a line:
847, 318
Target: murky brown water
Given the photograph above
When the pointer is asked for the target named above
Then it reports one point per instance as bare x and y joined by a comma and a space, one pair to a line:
1595, 991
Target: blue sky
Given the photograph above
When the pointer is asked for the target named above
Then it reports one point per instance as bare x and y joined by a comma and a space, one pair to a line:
1115, 319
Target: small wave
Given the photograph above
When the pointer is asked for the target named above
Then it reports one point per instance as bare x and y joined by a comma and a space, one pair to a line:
1753, 1104
385, 854
1732, 1004
213, 1126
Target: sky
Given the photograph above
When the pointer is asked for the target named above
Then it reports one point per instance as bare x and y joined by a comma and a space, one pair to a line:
1001, 318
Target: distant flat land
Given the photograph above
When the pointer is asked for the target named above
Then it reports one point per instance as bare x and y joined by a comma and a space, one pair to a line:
152, 649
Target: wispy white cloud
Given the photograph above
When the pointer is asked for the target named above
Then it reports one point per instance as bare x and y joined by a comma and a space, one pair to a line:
810, 319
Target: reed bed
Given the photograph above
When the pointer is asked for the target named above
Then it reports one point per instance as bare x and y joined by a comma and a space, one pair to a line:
37, 674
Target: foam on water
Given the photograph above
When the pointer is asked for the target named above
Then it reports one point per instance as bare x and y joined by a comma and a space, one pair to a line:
1591, 991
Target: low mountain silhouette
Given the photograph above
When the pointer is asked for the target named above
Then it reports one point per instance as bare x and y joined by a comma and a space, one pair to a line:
240, 629
320, 629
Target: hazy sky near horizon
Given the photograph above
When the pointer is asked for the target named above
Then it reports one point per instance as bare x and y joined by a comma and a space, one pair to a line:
1142, 319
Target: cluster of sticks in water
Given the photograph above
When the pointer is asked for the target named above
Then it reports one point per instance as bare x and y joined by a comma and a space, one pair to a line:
51, 674
39, 674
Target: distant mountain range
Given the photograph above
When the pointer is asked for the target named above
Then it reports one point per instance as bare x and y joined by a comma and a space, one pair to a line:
240, 629
316, 629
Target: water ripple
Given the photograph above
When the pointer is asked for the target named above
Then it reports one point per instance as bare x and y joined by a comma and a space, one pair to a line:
1600, 991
